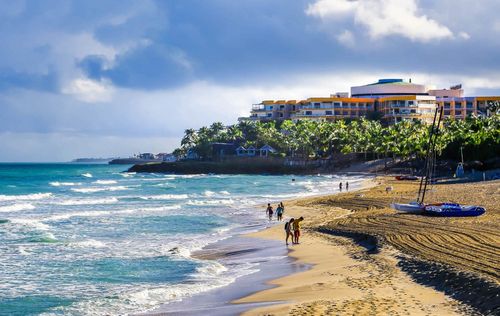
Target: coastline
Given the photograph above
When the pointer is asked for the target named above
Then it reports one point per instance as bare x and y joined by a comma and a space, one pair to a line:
273, 262
347, 273
353, 274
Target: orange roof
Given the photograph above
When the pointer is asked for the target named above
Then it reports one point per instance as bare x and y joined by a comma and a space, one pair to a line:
268, 102
291, 101
492, 98
340, 99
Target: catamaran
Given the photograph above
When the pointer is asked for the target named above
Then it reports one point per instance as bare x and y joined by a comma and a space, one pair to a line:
446, 209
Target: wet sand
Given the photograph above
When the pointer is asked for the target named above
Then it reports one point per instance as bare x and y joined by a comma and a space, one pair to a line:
371, 260
270, 259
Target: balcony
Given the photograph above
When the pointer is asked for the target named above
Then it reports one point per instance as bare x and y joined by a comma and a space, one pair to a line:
258, 107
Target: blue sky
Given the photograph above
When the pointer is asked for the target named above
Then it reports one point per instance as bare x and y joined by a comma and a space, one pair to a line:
107, 78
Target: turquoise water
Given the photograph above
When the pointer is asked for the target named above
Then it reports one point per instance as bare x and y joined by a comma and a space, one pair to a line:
93, 240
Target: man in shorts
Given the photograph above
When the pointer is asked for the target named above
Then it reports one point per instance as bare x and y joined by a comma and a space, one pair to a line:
269, 211
296, 229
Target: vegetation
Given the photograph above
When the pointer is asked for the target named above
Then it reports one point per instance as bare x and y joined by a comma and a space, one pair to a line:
479, 137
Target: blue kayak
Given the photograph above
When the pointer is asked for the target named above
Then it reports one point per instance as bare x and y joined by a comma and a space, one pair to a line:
453, 210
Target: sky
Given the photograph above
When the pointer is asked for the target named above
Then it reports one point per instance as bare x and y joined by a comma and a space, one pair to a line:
94, 78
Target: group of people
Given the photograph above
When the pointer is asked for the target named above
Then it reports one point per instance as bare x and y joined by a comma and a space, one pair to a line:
292, 227
346, 186
280, 209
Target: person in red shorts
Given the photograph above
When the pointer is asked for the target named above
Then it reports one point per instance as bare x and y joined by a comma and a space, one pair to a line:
296, 229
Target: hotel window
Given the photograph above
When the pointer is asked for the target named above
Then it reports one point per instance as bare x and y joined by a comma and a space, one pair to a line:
446, 105
269, 114
446, 112
410, 102
469, 105
344, 113
282, 107
317, 105
281, 114
328, 112
458, 105
309, 112
336, 104
458, 112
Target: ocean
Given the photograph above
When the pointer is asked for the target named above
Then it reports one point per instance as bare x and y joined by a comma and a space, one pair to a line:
91, 239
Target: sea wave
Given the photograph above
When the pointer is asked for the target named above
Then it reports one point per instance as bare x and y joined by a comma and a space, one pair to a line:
87, 175
58, 184
25, 197
65, 216
35, 223
99, 189
110, 200
210, 202
165, 197
46, 237
17, 207
127, 174
105, 182
90, 243
208, 193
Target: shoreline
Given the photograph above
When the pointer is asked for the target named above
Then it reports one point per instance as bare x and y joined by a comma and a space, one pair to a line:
273, 262
413, 285
220, 300
346, 274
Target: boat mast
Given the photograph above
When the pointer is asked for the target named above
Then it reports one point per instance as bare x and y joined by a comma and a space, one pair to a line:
433, 150
426, 165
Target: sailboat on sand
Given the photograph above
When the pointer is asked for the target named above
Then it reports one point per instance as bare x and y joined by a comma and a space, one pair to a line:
446, 209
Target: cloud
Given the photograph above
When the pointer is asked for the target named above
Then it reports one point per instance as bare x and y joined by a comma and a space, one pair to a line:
346, 38
383, 18
90, 91
464, 35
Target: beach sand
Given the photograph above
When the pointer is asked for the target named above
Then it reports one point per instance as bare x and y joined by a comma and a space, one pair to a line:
398, 264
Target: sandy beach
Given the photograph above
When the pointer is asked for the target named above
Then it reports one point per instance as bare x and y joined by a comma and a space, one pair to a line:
368, 259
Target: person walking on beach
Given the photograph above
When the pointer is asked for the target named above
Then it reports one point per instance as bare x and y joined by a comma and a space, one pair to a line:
296, 229
279, 212
347, 186
288, 230
269, 211
340, 186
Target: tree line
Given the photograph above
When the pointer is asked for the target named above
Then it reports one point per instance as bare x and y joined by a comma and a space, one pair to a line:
479, 137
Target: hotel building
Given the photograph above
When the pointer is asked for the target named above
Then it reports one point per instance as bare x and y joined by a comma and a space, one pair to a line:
395, 100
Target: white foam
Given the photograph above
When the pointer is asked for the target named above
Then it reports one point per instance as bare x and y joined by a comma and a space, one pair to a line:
59, 217
210, 202
58, 184
208, 193
30, 222
22, 251
87, 175
111, 200
99, 189
127, 174
224, 193
105, 182
25, 197
90, 243
17, 207
165, 197
65, 216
